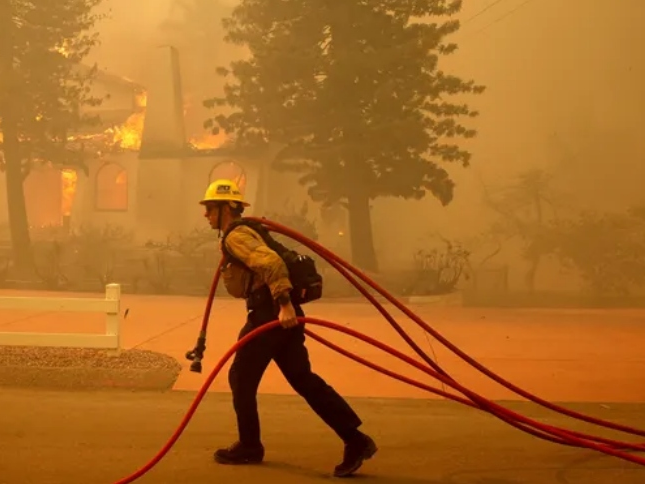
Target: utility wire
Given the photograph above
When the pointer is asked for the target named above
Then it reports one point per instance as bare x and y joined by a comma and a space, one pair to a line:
483, 10
498, 19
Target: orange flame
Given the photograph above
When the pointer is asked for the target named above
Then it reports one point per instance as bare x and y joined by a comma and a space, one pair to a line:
208, 141
62, 49
68, 184
128, 135
121, 178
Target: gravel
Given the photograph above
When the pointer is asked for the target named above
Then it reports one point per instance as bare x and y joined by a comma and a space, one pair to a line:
83, 357
80, 368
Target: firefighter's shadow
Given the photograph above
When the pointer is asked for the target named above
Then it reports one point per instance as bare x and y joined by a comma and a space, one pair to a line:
363, 476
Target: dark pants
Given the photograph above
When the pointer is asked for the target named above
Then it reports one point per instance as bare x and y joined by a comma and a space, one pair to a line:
287, 348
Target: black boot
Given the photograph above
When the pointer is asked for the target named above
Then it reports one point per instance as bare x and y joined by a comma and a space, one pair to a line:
357, 450
239, 453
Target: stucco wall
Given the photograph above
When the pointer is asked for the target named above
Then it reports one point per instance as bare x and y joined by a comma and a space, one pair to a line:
84, 209
163, 194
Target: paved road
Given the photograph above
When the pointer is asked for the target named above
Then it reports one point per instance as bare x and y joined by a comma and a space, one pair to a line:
99, 437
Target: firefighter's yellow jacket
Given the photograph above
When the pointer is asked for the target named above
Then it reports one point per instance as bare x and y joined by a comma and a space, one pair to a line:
267, 267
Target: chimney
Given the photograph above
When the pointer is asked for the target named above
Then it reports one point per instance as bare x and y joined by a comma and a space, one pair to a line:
164, 133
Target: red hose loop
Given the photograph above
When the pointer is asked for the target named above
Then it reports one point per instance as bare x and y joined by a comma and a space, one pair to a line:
546, 432
337, 261
565, 436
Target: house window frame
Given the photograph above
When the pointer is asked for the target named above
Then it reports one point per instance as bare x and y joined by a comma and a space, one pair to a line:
97, 195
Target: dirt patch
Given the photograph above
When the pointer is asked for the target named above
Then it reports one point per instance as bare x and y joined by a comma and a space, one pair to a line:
86, 369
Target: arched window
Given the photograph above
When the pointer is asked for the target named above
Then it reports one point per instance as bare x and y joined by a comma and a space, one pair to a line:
112, 188
229, 170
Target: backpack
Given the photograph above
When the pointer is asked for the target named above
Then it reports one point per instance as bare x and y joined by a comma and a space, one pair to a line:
306, 281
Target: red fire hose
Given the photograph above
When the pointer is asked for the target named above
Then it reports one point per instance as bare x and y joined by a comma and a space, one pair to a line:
431, 368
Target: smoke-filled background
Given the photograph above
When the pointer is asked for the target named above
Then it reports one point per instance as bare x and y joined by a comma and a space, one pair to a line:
564, 97
564, 93
564, 81
132, 31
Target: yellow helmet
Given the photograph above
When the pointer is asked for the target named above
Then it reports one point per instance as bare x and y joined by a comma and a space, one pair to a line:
224, 191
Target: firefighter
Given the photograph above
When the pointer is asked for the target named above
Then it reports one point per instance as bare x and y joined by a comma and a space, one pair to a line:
263, 281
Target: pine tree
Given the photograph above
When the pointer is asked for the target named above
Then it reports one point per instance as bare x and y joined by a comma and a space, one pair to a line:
353, 93
42, 91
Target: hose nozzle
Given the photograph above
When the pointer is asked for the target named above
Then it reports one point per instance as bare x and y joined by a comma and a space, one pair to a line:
196, 355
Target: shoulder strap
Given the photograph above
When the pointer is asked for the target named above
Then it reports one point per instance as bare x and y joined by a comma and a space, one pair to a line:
262, 232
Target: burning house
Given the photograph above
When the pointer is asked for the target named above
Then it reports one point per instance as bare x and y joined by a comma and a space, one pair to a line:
50, 192
153, 180
143, 172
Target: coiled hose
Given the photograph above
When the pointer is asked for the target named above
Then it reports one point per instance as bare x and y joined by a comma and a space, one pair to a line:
429, 367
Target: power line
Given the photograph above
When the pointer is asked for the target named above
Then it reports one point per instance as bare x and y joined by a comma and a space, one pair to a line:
509, 13
500, 18
482, 11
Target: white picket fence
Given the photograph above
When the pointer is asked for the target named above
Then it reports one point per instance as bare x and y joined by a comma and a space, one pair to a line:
110, 306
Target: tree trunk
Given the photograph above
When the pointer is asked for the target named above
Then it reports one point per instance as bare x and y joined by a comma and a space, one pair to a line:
18, 225
360, 232
531, 274
536, 258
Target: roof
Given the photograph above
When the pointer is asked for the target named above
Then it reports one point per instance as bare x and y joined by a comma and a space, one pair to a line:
113, 79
